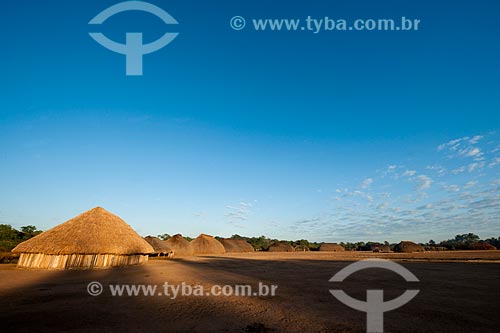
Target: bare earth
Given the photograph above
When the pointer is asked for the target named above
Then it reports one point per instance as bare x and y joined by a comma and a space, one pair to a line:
459, 292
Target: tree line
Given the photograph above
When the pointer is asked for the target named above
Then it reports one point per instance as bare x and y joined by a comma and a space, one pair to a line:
10, 237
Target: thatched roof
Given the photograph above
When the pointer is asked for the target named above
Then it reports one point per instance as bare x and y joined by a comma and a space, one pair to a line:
236, 245
206, 244
179, 245
160, 246
376, 247
96, 231
408, 247
331, 247
482, 246
380, 248
281, 247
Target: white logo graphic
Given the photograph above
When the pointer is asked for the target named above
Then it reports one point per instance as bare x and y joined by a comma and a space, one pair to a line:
374, 305
133, 48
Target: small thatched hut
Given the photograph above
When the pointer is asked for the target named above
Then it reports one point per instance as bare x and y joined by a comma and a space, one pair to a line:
236, 245
482, 246
376, 247
94, 239
408, 247
281, 247
206, 244
331, 247
160, 247
301, 248
179, 245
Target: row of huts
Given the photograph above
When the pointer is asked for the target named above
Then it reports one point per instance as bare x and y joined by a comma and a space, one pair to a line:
100, 239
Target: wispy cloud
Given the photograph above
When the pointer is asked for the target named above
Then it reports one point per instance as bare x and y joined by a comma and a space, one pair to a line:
239, 212
423, 183
366, 183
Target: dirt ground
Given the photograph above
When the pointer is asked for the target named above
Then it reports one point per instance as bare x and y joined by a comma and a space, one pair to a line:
459, 292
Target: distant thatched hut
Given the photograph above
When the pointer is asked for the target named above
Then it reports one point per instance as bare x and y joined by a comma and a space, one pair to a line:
331, 247
94, 239
160, 247
377, 247
206, 244
179, 245
301, 248
281, 247
408, 247
236, 245
482, 246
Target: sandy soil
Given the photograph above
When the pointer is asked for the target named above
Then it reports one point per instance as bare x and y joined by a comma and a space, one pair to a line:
460, 292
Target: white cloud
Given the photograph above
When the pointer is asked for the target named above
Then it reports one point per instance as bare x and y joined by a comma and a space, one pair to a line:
475, 166
382, 206
423, 183
409, 173
473, 152
470, 184
453, 144
452, 188
495, 161
475, 139
367, 182
239, 212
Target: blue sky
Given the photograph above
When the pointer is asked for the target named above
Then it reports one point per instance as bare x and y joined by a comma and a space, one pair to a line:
335, 136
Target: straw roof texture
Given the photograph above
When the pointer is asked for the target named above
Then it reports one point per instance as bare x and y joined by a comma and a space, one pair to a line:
159, 246
482, 246
236, 245
96, 231
206, 244
331, 247
281, 247
408, 247
179, 245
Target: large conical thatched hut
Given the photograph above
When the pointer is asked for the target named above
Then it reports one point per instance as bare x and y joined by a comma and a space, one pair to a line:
94, 239
281, 247
236, 245
179, 245
160, 247
331, 247
206, 244
408, 247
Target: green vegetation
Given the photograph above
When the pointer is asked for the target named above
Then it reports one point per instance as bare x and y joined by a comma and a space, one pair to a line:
10, 237
460, 242
465, 242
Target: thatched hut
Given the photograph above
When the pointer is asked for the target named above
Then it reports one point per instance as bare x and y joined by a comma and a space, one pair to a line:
408, 247
281, 247
94, 239
380, 248
236, 245
179, 245
160, 247
331, 247
376, 247
206, 244
482, 246
301, 248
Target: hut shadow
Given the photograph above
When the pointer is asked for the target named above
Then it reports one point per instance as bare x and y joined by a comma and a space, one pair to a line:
58, 300
46, 301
